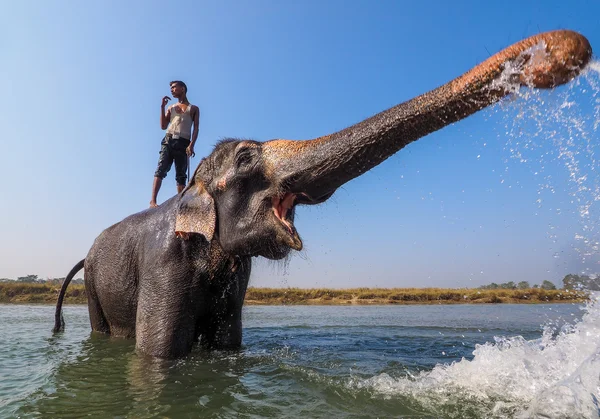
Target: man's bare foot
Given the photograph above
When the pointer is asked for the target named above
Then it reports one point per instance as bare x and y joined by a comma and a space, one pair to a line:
153, 204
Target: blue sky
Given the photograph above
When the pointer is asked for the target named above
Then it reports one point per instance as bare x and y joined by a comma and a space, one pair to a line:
83, 83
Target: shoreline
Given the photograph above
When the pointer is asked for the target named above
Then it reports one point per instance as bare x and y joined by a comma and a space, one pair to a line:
340, 303
19, 293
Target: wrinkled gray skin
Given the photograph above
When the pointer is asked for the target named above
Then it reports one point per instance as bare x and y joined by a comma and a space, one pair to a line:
145, 282
177, 274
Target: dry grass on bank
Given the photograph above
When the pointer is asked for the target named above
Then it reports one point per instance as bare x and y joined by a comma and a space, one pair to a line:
47, 293
407, 296
40, 293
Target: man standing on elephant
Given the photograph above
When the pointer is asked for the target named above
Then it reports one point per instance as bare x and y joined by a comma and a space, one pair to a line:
178, 144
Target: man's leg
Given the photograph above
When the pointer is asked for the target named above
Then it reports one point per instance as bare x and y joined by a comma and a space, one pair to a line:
181, 164
165, 160
155, 188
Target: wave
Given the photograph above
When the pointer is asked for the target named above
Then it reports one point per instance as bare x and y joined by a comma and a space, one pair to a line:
556, 375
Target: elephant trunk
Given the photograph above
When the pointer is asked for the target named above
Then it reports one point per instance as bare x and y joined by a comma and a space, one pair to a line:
314, 169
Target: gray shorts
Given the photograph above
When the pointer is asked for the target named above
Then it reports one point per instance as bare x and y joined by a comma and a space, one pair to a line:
173, 150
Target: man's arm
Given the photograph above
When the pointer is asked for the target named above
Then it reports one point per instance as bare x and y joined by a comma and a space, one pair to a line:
165, 118
196, 122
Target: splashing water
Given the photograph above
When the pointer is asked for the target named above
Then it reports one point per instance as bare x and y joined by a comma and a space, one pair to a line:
554, 132
556, 376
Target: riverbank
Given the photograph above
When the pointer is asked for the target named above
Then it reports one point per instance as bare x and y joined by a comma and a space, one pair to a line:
47, 293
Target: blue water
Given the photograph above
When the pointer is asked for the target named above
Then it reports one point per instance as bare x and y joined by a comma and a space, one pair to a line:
316, 361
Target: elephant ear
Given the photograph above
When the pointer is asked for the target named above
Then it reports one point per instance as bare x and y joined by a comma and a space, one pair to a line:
195, 212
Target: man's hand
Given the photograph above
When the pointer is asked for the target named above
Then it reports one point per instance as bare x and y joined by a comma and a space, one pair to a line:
190, 151
165, 100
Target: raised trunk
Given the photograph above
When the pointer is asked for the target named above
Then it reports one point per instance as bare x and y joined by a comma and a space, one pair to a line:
318, 167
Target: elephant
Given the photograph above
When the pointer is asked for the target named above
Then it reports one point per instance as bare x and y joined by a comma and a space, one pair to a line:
176, 275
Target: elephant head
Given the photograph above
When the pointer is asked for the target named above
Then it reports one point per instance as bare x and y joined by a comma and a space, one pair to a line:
245, 193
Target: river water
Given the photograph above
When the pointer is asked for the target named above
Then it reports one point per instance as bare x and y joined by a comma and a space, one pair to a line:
316, 361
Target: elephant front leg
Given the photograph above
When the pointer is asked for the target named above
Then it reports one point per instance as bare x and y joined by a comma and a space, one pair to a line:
165, 326
223, 332
221, 328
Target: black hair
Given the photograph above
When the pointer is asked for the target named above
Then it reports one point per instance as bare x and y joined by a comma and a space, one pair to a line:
180, 83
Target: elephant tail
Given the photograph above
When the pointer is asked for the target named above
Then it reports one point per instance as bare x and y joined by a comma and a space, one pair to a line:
59, 322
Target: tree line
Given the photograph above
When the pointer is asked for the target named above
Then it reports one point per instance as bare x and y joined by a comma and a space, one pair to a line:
523, 285
34, 279
570, 282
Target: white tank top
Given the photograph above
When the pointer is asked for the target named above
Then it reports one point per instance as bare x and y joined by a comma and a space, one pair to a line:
181, 123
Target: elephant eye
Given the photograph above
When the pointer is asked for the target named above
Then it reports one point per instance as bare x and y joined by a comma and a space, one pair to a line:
243, 158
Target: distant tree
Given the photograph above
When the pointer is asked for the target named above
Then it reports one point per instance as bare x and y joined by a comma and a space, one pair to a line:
535, 286
508, 285
491, 286
547, 285
581, 282
523, 285
28, 278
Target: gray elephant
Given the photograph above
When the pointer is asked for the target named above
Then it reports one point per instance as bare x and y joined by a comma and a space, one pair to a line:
177, 274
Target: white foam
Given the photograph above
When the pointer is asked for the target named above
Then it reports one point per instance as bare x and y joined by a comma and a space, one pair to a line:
556, 376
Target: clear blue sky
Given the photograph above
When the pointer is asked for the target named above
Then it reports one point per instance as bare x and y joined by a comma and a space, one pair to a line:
82, 85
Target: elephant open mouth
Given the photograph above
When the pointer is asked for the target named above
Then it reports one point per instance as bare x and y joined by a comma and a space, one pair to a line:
283, 208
